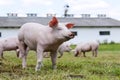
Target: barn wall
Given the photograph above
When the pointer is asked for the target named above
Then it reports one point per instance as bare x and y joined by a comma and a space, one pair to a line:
83, 34
7, 32
88, 34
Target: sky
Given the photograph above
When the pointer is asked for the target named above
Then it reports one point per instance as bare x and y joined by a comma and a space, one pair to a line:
77, 7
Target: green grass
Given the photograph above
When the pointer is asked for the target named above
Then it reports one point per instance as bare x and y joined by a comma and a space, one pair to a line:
109, 47
105, 67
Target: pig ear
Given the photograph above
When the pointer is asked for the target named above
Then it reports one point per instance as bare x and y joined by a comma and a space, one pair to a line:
53, 22
69, 25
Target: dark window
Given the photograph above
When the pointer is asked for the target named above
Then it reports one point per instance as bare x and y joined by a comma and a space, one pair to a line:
104, 33
74, 33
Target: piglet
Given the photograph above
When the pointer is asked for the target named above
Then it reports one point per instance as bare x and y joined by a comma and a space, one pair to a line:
65, 47
86, 47
8, 44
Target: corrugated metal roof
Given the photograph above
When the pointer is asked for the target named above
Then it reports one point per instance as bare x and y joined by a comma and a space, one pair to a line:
84, 22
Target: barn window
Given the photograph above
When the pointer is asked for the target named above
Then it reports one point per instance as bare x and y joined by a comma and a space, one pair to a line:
104, 33
75, 32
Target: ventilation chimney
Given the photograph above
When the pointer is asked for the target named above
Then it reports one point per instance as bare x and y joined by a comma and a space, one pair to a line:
66, 10
69, 16
101, 15
50, 15
31, 15
85, 15
12, 14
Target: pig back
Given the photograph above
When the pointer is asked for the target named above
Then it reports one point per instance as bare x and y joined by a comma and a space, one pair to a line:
94, 45
10, 43
33, 34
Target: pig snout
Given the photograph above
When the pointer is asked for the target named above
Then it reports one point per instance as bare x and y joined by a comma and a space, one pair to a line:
70, 36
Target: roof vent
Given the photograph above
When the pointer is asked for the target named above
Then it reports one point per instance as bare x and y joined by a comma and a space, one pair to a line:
101, 15
31, 15
69, 15
85, 15
12, 14
50, 15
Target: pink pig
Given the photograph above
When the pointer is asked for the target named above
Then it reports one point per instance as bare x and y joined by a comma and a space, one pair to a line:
65, 47
8, 44
43, 38
86, 47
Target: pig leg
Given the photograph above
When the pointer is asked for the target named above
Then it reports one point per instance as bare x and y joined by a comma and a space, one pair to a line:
96, 52
39, 58
1, 54
53, 59
76, 53
17, 52
93, 53
84, 54
61, 54
23, 47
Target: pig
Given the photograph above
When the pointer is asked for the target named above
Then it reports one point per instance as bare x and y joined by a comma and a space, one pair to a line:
86, 47
8, 44
65, 47
41, 38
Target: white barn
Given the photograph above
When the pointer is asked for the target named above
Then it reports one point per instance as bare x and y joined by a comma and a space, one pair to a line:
99, 28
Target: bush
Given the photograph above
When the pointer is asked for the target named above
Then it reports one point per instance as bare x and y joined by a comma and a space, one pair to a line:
112, 42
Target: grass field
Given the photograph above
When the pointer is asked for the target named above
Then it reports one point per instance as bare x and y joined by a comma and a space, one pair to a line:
105, 67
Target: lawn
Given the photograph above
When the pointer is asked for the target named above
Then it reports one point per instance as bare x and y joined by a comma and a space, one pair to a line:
104, 67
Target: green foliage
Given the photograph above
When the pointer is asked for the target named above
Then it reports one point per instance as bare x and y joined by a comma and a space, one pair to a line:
104, 67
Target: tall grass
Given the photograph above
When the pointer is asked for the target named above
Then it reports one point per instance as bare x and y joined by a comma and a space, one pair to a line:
105, 67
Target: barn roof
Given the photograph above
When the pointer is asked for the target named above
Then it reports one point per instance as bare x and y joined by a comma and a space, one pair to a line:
79, 22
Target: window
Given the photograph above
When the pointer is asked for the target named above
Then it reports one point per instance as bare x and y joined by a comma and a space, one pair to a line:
104, 33
75, 32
